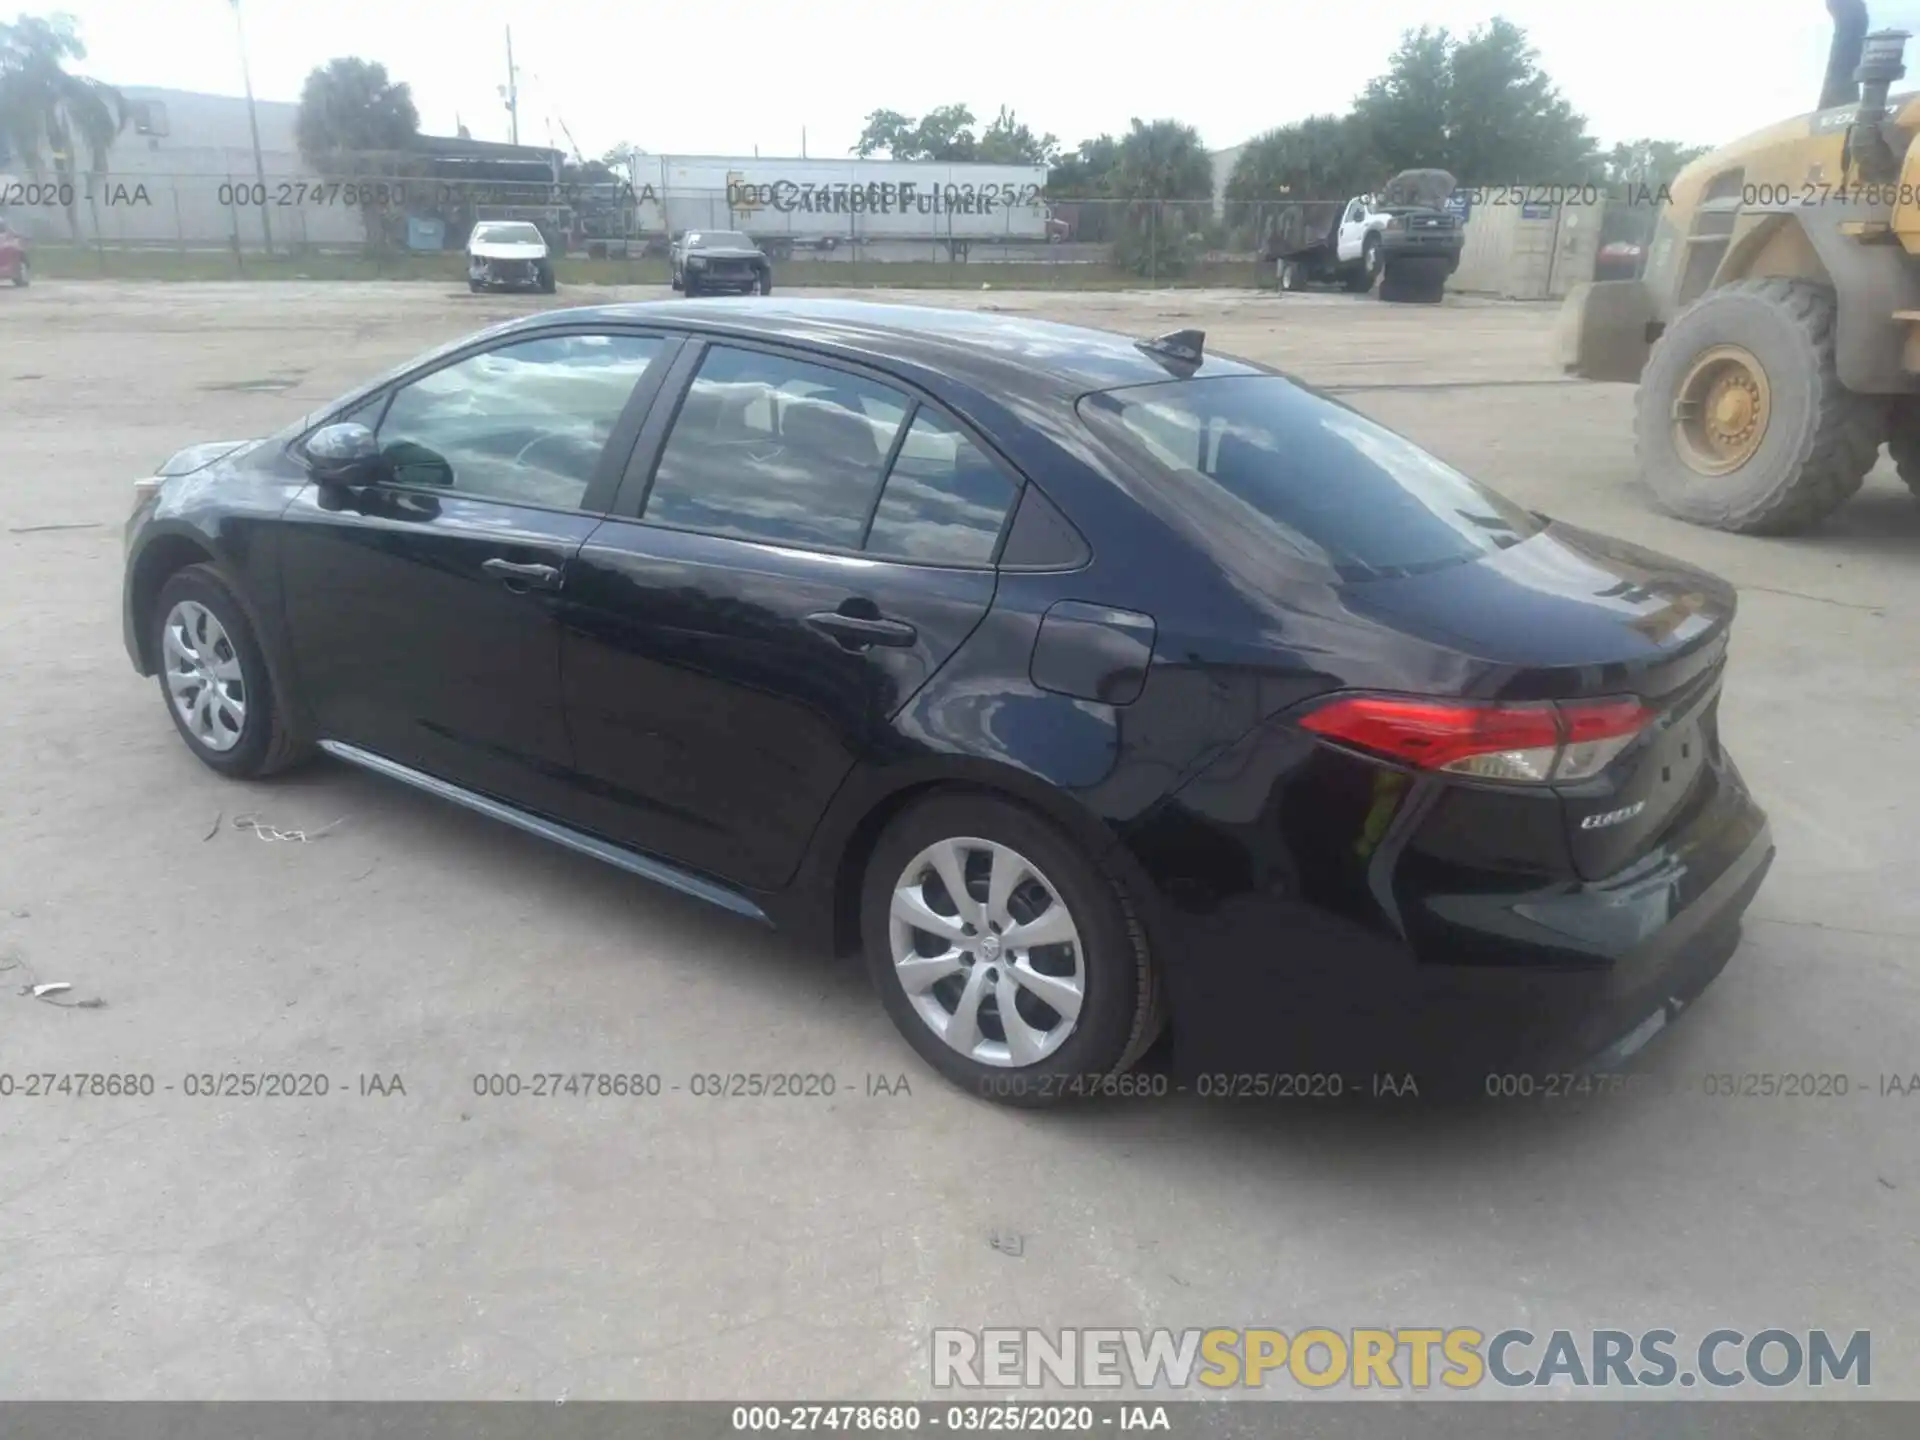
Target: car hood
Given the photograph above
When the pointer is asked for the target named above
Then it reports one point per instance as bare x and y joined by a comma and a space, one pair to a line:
199, 457
507, 250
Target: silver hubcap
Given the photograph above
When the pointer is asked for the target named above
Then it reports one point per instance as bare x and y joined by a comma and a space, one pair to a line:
987, 952
209, 692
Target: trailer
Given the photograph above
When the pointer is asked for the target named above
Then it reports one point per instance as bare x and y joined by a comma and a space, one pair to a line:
806, 204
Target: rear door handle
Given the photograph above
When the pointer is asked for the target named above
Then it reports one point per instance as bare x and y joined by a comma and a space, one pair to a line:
523, 577
858, 631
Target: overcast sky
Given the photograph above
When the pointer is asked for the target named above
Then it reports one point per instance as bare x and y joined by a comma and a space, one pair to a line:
748, 74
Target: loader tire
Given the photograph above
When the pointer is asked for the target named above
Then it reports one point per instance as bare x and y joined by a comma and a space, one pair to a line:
1741, 422
1903, 441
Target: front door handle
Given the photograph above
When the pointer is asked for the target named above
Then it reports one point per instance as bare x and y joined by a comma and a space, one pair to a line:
857, 632
523, 577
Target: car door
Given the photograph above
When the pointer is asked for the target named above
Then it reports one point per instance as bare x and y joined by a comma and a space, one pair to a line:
1352, 230
798, 547
420, 607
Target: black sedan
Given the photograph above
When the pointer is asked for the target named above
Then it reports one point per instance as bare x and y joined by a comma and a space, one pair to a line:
713, 262
1082, 683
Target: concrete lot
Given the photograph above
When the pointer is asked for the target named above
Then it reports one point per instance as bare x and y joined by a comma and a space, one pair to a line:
435, 1244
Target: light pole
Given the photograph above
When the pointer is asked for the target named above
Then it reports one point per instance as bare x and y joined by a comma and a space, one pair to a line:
253, 124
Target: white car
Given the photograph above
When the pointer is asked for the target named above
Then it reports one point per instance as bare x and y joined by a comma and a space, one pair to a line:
508, 254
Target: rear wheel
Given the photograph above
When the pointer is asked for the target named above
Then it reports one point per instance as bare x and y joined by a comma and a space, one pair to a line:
1292, 278
22, 277
1006, 957
1741, 422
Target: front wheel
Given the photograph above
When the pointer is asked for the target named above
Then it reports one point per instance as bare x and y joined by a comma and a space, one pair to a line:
1362, 279
22, 277
763, 283
214, 678
689, 286
1741, 421
547, 282
1009, 960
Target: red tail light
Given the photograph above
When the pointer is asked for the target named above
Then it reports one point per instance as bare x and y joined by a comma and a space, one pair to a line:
1534, 743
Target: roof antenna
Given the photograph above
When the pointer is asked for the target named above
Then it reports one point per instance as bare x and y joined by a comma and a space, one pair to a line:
1184, 348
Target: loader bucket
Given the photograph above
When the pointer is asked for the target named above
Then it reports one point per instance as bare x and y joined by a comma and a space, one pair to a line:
1605, 330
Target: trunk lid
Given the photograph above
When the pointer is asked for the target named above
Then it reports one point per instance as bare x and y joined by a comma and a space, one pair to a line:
1569, 615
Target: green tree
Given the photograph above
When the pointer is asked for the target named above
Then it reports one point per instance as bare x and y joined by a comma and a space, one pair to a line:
1324, 157
942, 134
1086, 172
353, 119
1652, 163
1008, 142
1166, 177
1480, 107
47, 115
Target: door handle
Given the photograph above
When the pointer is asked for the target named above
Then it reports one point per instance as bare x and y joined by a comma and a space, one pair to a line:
857, 632
523, 577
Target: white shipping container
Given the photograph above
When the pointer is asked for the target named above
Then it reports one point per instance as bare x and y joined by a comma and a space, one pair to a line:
830, 202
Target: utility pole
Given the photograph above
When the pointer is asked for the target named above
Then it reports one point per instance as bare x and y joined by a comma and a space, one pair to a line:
253, 124
513, 88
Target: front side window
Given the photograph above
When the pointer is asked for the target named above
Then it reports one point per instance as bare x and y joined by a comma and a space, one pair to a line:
1293, 474
524, 423
770, 448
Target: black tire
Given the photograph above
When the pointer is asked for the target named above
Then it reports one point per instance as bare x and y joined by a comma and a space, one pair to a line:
267, 742
22, 277
1903, 441
474, 286
689, 287
1414, 282
764, 286
1120, 1015
1361, 280
547, 282
1820, 439
1293, 276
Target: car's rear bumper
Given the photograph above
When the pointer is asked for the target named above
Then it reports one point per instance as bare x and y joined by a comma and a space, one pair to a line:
1368, 959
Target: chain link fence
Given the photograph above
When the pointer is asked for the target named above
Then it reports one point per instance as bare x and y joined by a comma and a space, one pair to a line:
214, 225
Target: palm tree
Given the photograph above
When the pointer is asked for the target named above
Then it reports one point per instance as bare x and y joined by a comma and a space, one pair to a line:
47, 114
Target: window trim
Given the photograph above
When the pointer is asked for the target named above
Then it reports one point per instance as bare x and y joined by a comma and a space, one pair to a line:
602, 489
636, 487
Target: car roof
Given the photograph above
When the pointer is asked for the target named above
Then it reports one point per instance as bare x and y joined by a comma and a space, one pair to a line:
992, 349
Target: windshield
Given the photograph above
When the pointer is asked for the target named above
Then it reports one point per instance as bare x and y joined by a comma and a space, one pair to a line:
498, 234
1306, 476
720, 240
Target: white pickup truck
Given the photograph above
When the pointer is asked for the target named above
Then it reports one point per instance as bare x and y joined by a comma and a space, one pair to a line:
1405, 233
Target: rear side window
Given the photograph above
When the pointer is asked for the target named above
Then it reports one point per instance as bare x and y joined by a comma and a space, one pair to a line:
1305, 476
945, 501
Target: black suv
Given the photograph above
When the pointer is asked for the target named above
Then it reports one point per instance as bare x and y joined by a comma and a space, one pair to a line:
707, 262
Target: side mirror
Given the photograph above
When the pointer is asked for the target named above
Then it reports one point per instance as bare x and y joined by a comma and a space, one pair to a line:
342, 454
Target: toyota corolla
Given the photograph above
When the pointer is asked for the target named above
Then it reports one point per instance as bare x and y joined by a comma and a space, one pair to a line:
1088, 685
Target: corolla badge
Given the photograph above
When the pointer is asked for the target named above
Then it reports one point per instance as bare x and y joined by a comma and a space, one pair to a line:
1613, 817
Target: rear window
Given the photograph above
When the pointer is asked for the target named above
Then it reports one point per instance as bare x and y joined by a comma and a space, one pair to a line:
1301, 475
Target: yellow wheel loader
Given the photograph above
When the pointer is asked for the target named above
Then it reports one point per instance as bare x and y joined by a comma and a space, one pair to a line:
1775, 332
